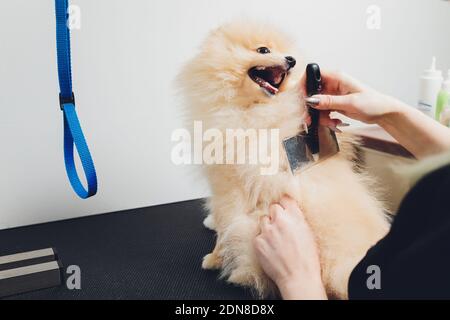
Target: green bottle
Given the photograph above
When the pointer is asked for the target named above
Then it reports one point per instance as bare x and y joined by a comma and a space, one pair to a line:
443, 100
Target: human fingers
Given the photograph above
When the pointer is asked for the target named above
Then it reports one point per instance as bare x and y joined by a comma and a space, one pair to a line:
289, 205
275, 211
324, 102
265, 223
327, 121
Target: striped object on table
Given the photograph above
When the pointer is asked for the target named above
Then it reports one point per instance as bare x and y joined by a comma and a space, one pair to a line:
29, 271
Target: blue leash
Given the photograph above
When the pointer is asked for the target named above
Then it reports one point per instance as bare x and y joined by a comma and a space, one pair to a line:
73, 134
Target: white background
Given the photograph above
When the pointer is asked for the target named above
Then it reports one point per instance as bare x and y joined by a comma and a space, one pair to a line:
125, 58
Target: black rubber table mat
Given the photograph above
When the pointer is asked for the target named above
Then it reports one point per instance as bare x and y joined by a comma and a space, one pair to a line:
151, 253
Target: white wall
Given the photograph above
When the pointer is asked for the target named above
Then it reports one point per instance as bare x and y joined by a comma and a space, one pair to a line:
125, 57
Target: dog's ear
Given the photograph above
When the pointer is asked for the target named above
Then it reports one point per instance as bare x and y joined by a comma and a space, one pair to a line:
213, 35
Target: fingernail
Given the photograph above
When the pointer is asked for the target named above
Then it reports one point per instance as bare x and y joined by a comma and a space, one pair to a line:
343, 125
313, 101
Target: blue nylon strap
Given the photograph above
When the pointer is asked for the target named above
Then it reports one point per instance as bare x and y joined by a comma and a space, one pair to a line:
73, 134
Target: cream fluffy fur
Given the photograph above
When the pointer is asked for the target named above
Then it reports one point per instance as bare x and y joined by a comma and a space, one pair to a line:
342, 210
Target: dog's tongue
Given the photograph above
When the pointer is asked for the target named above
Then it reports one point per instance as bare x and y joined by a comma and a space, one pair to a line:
267, 86
271, 89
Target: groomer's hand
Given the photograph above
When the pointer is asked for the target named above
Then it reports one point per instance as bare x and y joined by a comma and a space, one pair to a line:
419, 134
288, 253
345, 95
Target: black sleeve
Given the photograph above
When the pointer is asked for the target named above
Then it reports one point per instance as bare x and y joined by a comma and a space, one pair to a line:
414, 258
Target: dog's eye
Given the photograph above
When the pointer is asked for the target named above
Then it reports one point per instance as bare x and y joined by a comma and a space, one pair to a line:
263, 50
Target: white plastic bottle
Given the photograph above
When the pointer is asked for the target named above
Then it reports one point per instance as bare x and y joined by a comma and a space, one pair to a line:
430, 85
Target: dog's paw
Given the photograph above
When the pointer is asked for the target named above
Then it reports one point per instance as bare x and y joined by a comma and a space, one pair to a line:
210, 223
211, 262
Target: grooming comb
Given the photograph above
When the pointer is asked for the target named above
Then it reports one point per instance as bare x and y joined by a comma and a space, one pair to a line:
319, 142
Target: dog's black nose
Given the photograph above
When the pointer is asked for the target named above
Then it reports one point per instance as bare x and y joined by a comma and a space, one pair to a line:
291, 62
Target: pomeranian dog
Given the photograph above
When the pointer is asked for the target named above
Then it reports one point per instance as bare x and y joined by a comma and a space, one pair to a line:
246, 76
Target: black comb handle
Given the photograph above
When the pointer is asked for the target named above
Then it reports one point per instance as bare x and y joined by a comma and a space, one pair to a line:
313, 87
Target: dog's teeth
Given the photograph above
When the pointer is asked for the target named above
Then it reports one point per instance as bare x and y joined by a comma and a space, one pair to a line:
260, 68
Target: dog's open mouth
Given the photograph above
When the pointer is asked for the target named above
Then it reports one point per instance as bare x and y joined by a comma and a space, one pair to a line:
268, 78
